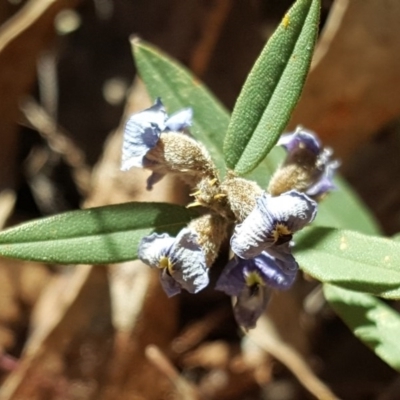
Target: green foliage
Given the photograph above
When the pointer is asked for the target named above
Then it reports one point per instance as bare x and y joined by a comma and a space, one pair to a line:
357, 264
178, 89
343, 209
97, 236
370, 319
351, 260
272, 88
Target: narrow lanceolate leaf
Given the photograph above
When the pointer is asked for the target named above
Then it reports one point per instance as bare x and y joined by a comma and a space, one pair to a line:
351, 260
178, 88
93, 236
370, 319
272, 88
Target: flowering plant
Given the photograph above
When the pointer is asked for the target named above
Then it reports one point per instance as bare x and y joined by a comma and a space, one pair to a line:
276, 210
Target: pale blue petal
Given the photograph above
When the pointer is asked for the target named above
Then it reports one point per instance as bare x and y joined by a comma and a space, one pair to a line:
284, 258
250, 305
303, 140
187, 258
254, 233
169, 284
180, 120
153, 247
275, 274
292, 209
142, 132
189, 261
231, 280
278, 271
252, 300
325, 183
300, 139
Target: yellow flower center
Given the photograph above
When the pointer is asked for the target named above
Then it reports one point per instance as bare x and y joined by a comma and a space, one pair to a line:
281, 234
165, 262
253, 278
254, 281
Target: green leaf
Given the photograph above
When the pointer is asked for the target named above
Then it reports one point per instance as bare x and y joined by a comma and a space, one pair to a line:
272, 88
178, 88
343, 209
370, 319
93, 236
351, 260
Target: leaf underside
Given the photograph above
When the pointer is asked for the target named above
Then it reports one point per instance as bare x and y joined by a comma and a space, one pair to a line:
370, 319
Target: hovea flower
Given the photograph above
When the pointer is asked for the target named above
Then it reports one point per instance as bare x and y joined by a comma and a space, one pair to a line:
324, 183
305, 149
181, 261
143, 130
251, 281
300, 139
272, 223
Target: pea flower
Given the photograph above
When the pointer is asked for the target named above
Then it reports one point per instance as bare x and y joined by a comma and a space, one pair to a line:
181, 261
324, 183
300, 139
308, 167
272, 223
143, 131
155, 141
251, 281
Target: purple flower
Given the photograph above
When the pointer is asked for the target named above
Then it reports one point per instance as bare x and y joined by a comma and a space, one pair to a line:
303, 146
272, 223
143, 131
251, 281
300, 139
328, 167
181, 261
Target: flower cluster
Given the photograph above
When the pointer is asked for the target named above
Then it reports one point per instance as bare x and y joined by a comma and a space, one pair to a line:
264, 220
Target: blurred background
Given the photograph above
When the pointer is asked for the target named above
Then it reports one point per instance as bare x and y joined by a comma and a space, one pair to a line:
67, 82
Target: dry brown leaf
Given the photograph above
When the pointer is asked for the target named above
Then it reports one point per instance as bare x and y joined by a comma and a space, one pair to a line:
197, 331
267, 337
70, 340
22, 38
208, 355
353, 89
228, 383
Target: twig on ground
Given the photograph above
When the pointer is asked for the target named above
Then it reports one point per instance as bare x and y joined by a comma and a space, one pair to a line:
268, 339
197, 331
211, 33
59, 143
186, 390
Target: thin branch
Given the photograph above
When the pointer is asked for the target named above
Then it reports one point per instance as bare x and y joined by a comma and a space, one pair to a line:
186, 390
211, 33
59, 143
268, 339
